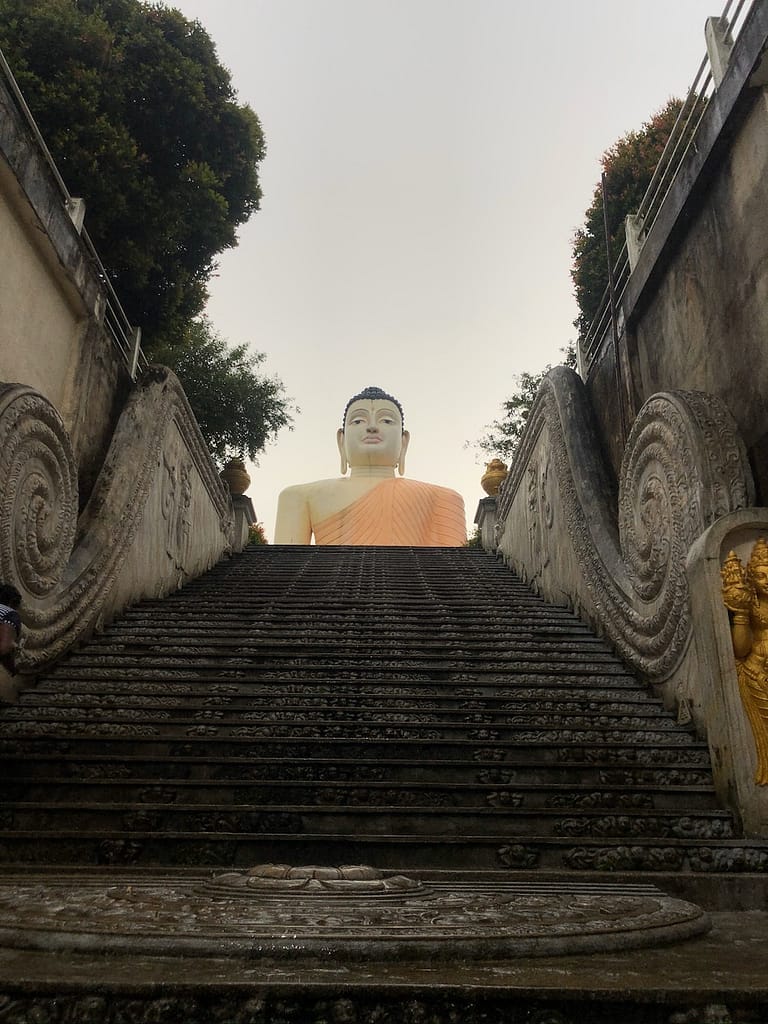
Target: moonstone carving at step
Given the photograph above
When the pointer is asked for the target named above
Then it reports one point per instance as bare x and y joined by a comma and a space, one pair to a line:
279, 911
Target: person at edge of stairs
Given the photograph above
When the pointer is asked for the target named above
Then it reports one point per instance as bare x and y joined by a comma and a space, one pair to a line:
10, 634
371, 505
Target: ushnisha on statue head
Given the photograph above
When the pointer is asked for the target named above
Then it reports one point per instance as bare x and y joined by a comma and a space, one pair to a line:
372, 432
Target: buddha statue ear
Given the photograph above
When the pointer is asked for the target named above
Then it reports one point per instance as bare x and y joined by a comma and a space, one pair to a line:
344, 465
403, 450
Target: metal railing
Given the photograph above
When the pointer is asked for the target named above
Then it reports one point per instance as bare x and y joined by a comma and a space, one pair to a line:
682, 137
126, 338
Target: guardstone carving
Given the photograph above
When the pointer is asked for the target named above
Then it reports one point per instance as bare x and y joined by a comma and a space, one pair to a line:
66, 564
38, 491
684, 466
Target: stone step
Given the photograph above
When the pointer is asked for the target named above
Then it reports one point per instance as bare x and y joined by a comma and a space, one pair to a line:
223, 792
204, 741
510, 821
226, 678
366, 740
33, 764
330, 699
505, 668
586, 685
449, 721
360, 639
221, 622
484, 852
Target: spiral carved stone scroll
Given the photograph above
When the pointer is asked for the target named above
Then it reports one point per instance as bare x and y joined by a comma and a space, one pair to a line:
38, 491
684, 466
65, 565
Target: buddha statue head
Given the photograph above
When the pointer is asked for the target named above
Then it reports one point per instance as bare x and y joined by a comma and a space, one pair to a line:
372, 433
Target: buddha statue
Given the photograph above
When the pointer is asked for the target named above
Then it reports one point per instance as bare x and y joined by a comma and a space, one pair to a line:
745, 594
371, 505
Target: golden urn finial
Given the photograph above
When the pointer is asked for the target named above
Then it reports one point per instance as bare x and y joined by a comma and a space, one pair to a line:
495, 472
235, 476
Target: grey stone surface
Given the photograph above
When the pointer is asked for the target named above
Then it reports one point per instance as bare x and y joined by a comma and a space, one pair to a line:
695, 310
718, 978
52, 337
486, 519
245, 517
684, 468
158, 515
454, 920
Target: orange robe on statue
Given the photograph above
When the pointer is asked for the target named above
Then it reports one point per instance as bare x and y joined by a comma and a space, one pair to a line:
402, 513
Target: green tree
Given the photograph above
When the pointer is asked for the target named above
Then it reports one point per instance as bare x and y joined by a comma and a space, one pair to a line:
144, 124
503, 435
238, 409
628, 167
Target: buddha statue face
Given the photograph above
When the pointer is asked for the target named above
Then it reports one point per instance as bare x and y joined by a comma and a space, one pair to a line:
372, 435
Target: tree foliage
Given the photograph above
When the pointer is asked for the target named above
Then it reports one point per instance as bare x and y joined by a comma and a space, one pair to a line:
238, 409
503, 435
628, 167
144, 124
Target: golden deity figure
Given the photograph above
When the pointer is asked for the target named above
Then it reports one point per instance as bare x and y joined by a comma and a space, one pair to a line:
745, 593
371, 505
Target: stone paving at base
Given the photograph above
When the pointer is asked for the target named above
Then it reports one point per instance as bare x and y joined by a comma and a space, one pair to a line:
718, 978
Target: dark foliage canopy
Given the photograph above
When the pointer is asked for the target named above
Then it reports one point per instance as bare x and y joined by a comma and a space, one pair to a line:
628, 166
238, 409
145, 126
503, 435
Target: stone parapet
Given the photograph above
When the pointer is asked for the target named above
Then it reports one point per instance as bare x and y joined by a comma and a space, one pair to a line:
245, 517
157, 516
52, 335
617, 554
485, 520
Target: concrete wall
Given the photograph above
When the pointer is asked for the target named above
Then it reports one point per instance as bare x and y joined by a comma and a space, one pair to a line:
51, 301
108, 493
706, 324
618, 557
695, 311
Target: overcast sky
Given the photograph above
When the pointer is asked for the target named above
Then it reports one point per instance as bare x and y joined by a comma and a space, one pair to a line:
428, 162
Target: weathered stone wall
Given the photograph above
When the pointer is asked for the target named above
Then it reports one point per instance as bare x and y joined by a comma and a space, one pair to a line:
695, 311
706, 324
618, 556
51, 301
629, 522
157, 516
107, 491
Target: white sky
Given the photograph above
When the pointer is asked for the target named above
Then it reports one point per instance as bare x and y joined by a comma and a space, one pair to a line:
427, 164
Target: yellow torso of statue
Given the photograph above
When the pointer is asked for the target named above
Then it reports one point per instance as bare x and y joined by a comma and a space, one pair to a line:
371, 506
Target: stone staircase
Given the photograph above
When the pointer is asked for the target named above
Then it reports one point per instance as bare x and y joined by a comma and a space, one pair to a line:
412, 709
